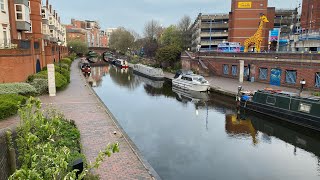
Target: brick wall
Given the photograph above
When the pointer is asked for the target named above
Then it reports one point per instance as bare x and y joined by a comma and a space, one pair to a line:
306, 65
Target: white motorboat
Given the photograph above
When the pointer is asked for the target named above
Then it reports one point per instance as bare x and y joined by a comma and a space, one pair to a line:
149, 72
121, 63
191, 82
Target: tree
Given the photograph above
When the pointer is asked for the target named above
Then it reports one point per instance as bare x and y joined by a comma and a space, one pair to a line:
77, 46
121, 40
152, 30
168, 55
171, 36
150, 47
184, 26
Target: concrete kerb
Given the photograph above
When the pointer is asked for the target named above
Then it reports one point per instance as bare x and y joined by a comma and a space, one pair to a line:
133, 147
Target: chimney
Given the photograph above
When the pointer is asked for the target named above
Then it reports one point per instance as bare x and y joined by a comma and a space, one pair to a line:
50, 9
47, 4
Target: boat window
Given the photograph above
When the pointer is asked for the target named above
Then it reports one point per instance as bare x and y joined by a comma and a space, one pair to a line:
305, 107
271, 100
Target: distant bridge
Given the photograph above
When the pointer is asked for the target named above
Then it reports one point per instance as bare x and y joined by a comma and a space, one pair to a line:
99, 50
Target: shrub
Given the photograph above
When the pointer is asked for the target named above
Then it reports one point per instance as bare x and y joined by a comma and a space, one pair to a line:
316, 93
41, 85
18, 88
72, 56
9, 104
61, 81
66, 61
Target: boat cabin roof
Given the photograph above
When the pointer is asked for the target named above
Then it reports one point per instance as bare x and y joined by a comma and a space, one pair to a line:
289, 94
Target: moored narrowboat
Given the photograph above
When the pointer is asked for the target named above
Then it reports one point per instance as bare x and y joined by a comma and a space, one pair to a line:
285, 106
121, 63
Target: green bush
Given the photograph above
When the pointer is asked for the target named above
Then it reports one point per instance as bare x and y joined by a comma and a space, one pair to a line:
24, 89
61, 81
9, 104
72, 56
66, 61
316, 93
41, 85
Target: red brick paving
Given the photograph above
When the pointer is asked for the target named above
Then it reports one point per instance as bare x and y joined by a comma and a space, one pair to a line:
96, 126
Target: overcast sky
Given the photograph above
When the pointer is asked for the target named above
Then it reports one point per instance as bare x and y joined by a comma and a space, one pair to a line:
133, 14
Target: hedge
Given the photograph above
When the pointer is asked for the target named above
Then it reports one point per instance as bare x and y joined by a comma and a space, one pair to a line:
66, 61
9, 104
41, 85
18, 88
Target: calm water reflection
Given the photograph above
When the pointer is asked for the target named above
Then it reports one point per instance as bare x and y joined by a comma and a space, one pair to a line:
187, 135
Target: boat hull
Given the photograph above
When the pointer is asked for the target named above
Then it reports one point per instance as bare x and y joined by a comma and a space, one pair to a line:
190, 86
156, 78
294, 117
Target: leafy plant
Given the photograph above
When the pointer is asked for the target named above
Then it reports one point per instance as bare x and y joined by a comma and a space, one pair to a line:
41, 85
168, 55
18, 88
316, 93
47, 145
9, 104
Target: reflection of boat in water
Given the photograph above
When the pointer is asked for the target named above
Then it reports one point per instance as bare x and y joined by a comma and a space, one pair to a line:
296, 136
155, 84
189, 95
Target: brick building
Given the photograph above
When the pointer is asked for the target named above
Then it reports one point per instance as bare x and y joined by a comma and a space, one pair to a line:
94, 36
310, 15
244, 20
30, 48
290, 69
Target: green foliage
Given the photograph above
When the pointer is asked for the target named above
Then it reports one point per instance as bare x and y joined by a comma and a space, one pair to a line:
316, 93
24, 89
62, 80
9, 104
41, 85
168, 55
48, 144
78, 47
66, 61
72, 56
121, 40
171, 37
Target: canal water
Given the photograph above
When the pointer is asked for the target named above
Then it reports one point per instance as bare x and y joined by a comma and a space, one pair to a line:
187, 135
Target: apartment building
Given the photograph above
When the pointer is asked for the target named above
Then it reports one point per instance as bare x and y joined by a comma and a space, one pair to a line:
5, 37
30, 45
209, 30
94, 36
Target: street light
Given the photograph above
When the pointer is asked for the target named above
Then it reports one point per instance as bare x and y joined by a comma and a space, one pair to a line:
303, 83
59, 43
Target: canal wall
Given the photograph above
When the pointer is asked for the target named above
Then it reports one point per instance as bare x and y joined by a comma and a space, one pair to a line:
286, 69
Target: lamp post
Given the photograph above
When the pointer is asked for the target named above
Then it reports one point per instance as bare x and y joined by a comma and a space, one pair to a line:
59, 43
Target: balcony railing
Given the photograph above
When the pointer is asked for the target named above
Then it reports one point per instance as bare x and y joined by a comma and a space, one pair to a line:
14, 44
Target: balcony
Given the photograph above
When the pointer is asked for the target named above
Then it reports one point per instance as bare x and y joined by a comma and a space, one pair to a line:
207, 43
215, 26
214, 34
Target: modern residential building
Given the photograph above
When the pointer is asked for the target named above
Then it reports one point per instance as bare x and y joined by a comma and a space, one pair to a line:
244, 20
310, 15
286, 20
94, 37
31, 44
5, 37
103, 39
209, 30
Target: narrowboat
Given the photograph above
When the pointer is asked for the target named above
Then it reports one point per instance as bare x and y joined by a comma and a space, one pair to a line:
283, 105
148, 72
121, 63
92, 57
108, 57
191, 82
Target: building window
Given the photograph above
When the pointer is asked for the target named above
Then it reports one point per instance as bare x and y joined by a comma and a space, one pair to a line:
22, 13
225, 69
2, 5
263, 75
246, 71
234, 70
29, 7
291, 77
318, 80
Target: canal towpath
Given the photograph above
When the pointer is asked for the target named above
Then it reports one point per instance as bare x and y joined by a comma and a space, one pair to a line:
97, 126
228, 86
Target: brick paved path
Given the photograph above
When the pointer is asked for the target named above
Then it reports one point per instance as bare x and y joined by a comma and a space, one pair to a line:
96, 126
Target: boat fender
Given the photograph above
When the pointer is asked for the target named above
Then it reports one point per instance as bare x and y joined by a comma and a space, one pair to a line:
245, 98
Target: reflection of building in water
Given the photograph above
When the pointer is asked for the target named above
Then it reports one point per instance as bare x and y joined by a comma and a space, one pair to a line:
240, 128
96, 75
123, 77
155, 84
